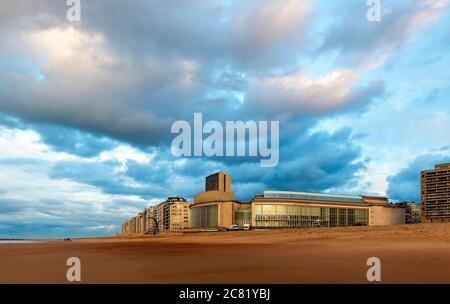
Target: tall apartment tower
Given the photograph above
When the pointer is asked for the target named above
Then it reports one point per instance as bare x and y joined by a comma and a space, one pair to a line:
219, 181
435, 194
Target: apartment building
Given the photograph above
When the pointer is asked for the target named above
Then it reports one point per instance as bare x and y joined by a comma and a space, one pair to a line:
435, 194
176, 214
412, 212
172, 214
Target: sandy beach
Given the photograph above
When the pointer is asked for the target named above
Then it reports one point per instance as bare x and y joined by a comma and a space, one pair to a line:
408, 253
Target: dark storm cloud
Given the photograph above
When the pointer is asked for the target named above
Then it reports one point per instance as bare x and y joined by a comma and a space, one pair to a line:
121, 77
9, 206
73, 141
405, 185
314, 163
311, 162
131, 68
57, 218
149, 63
105, 176
250, 34
63, 139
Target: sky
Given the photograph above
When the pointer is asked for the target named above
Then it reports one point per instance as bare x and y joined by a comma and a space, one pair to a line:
86, 107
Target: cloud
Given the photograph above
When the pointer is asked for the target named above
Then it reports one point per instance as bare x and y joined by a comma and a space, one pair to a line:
312, 162
86, 108
405, 185
360, 40
9, 206
298, 94
82, 89
32, 203
129, 81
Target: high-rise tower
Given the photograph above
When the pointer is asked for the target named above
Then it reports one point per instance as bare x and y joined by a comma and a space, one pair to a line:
219, 181
435, 194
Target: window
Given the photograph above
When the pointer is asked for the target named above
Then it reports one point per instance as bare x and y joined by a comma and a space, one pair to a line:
293, 216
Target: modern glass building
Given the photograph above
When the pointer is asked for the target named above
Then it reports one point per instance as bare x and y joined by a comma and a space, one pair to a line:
242, 215
287, 209
298, 216
205, 215
216, 208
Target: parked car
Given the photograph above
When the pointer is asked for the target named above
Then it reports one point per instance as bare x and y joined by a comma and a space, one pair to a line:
247, 226
233, 227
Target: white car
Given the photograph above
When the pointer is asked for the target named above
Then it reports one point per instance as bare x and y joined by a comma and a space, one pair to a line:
233, 227
247, 226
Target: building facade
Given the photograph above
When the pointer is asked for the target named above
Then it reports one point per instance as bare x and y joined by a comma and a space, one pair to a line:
435, 194
216, 207
219, 181
150, 223
140, 222
132, 225
286, 209
412, 212
172, 214
176, 214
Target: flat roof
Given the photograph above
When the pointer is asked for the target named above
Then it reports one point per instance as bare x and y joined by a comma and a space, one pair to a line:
439, 166
314, 196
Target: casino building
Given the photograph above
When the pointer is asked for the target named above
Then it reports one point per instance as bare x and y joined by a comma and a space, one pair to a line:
217, 208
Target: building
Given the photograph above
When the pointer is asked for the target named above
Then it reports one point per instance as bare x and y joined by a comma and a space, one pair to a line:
140, 222
176, 214
158, 214
216, 206
172, 214
412, 212
150, 223
124, 228
435, 194
219, 181
132, 225
286, 209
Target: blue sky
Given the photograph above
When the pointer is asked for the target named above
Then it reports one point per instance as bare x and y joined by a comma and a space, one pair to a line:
86, 107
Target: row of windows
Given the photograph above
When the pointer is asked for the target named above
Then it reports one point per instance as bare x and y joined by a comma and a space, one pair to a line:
307, 216
204, 216
242, 216
438, 220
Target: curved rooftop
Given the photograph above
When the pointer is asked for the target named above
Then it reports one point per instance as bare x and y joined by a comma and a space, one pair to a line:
314, 196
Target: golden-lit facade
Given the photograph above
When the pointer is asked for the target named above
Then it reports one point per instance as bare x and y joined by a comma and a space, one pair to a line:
219, 181
281, 209
435, 194
286, 209
172, 214
216, 208
176, 214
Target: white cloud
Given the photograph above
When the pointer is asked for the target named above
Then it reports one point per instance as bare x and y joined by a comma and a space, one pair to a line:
297, 93
38, 199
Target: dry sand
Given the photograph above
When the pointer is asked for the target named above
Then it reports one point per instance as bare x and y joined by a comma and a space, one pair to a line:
408, 253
